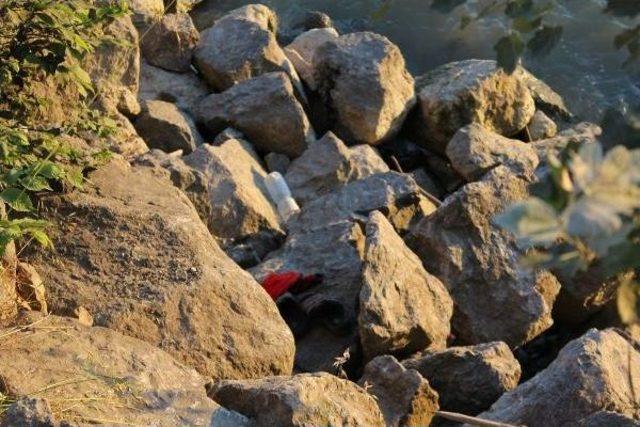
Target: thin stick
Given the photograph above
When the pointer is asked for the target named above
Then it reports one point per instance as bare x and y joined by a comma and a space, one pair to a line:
471, 420
396, 164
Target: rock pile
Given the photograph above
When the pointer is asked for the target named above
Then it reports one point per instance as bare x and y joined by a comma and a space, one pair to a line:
418, 303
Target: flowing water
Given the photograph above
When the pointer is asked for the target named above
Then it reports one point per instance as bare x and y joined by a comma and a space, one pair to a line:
585, 68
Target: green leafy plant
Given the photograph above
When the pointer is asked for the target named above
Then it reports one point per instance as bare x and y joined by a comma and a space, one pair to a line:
45, 42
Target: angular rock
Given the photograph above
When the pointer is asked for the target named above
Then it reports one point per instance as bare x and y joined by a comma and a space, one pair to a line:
239, 46
277, 163
546, 99
394, 194
235, 203
403, 309
595, 372
185, 90
131, 249
146, 13
495, 299
468, 379
265, 110
364, 81
473, 91
29, 412
163, 126
404, 397
301, 400
609, 419
170, 43
582, 133
302, 50
327, 165
542, 127
474, 150
109, 377
336, 252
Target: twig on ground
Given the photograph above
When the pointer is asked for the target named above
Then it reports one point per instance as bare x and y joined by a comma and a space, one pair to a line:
460, 418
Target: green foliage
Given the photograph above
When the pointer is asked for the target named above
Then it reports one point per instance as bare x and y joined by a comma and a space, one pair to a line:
40, 40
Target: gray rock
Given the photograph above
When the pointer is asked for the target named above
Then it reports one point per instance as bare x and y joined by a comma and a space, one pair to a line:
364, 81
403, 309
314, 19
163, 126
468, 379
265, 110
131, 249
474, 150
427, 182
394, 194
546, 99
29, 412
99, 376
582, 133
495, 299
185, 90
226, 135
327, 165
239, 46
404, 397
277, 163
609, 419
235, 203
302, 50
301, 400
595, 372
542, 127
170, 43
473, 91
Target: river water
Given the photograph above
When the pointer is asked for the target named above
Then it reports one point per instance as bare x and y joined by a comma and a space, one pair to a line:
585, 68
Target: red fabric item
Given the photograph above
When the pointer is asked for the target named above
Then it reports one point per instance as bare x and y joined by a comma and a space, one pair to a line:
276, 284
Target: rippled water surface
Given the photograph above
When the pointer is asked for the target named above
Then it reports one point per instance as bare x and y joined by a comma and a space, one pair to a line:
584, 68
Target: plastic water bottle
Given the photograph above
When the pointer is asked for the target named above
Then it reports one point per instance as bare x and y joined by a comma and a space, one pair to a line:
281, 195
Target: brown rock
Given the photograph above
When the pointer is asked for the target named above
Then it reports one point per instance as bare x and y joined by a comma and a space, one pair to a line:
302, 50
30, 288
162, 125
542, 127
170, 43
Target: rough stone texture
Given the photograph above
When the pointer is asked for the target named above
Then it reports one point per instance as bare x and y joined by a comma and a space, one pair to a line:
595, 372
495, 299
542, 127
546, 99
277, 163
609, 419
427, 182
180, 6
394, 194
100, 376
239, 46
8, 295
474, 150
403, 309
582, 133
29, 412
336, 252
185, 90
302, 400
364, 82
265, 110
131, 249
162, 125
170, 43
30, 288
235, 203
327, 165
473, 91
468, 379
302, 50
404, 397
146, 12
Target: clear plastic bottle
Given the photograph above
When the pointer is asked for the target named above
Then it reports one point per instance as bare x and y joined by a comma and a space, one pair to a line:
281, 195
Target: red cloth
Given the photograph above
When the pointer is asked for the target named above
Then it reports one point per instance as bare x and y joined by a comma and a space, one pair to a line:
276, 284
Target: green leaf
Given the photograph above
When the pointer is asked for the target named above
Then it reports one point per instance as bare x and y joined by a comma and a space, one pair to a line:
533, 222
509, 49
544, 40
525, 25
17, 199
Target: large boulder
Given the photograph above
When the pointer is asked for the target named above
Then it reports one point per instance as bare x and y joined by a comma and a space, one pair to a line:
403, 309
495, 298
327, 165
163, 126
184, 89
301, 52
265, 109
468, 379
404, 397
471, 91
234, 202
595, 372
366, 86
239, 46
131, 249
474, 150
302, 400
170, 43
394, 194
96, 375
